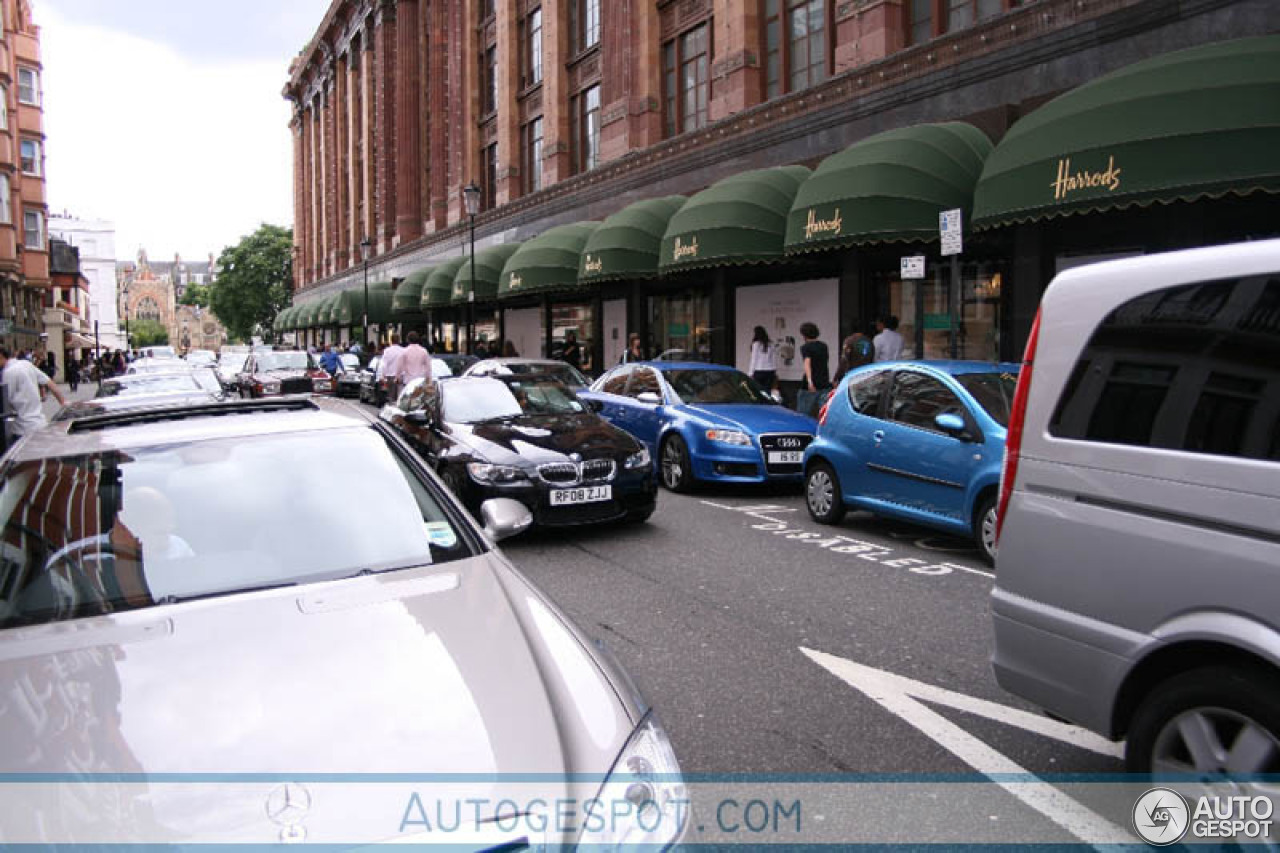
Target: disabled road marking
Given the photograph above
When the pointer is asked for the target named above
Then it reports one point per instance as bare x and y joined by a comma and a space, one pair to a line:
767, 521
904, 698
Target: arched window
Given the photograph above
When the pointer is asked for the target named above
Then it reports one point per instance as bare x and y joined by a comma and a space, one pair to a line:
147, 310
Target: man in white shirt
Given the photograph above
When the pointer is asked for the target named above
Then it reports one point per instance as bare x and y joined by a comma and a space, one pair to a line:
22, 382
389, 368
888, 342
415, 362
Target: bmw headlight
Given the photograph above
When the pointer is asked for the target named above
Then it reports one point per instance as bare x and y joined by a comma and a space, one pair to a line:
639, 459
729, 436
643, 800
483, 472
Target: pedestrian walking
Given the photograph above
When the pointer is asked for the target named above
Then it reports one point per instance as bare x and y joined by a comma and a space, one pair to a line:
856, 351
572, 351
330, 361
415, 362
634, 351
24, 386
389, 368
764, 366
888, 342
817, 371
73, 373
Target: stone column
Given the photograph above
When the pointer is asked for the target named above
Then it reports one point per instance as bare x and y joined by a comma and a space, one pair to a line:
867, 31
437, 107
367, 226
556, 162
315, 243
408, 165
355, 132
509, 154
384, 130
631, 113
342, 158
736, 74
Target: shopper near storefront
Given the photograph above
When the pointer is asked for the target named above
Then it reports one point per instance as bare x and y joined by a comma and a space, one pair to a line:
817, 370
572, 351
764, 366
888, 342
635, 350
856, 351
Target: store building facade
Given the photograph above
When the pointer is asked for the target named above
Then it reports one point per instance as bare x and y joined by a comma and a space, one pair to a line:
632, 174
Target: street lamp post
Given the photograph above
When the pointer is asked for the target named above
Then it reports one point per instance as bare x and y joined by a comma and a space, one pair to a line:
365, 247
471, 195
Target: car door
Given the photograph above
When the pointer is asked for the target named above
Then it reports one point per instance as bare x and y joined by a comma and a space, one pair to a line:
642, 418
610, 393
243, 381
914, 463
856, 416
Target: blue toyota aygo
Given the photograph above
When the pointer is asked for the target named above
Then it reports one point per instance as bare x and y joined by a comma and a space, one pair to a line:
919, 441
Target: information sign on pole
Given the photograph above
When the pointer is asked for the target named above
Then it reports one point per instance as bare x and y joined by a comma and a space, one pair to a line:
950, 225
913, 267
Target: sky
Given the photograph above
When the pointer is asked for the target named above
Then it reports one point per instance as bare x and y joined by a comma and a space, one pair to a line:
165, 116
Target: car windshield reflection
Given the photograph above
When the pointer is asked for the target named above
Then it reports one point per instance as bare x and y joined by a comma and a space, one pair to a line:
487, 400
704, 387
283, 361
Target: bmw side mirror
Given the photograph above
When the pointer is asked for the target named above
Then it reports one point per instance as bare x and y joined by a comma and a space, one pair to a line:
504, 518
951, 424
649, 399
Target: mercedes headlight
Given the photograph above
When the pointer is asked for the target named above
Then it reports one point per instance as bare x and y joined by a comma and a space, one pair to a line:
639, 459
483, 472
729, 436
643, 800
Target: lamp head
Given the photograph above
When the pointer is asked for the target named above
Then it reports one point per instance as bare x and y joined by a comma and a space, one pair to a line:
471, 196
366, 246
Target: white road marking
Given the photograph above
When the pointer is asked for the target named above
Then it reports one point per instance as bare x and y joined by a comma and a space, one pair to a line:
902, 697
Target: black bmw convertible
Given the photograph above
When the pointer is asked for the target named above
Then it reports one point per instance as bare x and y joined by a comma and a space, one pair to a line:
529, 438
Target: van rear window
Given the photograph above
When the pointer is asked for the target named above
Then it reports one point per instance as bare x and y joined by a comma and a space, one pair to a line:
1193, 367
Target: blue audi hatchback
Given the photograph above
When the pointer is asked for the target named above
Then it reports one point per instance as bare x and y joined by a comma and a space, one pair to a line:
917, 441
703, 422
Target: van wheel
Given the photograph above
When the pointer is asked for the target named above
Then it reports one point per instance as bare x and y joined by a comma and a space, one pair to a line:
822, 494
1208, 721
984, 529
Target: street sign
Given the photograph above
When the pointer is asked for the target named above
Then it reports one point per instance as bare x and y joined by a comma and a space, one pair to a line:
913, 267
950, 225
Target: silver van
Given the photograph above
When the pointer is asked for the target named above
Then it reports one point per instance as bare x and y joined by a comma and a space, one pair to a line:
1138, 567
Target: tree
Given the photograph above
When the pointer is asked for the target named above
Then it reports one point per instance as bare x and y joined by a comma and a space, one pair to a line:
255, 278
196, 294
148, 333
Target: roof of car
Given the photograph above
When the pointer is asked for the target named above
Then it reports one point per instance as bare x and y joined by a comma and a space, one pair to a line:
131, 402
513, 360
167, 424
685, 365
955, 367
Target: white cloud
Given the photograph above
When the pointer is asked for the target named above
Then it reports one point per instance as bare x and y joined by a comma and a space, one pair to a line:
183, 156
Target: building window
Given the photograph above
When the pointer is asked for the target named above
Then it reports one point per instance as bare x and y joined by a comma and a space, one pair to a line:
685, 80
486, 10
6, 212
147, 310
4, 108
489, 76
799, 60
29, 87
33, 229
531, 145
531, 46
929, 18
585, 118
584, 24
31, 157
921, 21
490, 196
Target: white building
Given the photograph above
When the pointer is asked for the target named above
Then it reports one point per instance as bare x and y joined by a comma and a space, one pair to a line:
96, 240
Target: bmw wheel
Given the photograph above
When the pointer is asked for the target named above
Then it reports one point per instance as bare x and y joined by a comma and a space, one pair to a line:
822, 494
984, 529
676, 468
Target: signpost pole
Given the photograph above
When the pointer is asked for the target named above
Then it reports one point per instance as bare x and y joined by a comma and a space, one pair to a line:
951, 230
955, 306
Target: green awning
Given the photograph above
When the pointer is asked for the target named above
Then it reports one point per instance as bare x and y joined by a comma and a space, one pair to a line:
437, 290
888, 187
408, 298
1180, 126
739, 220
281, 321
307, 314
489, 265
327, 314
626, 245
549, 261
291, 321
350, 310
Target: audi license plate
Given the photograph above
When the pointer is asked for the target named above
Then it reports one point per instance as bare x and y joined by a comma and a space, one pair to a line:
584, 495
786, 457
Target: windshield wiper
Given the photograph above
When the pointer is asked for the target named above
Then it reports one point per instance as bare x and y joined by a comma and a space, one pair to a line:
178, 599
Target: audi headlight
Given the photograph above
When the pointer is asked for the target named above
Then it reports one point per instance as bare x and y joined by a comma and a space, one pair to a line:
729, 436
483, 472
643, 799
639, 459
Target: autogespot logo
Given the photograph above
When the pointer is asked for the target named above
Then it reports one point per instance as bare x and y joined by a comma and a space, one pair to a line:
1161, 817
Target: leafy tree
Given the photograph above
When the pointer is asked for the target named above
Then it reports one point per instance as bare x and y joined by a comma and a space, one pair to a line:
148, 333
196, 294
255, 278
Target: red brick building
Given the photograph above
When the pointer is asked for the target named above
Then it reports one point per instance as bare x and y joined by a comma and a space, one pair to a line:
24, 240
568, 111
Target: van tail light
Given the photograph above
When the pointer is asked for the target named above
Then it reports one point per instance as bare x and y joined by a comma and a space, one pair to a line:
1017, 415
